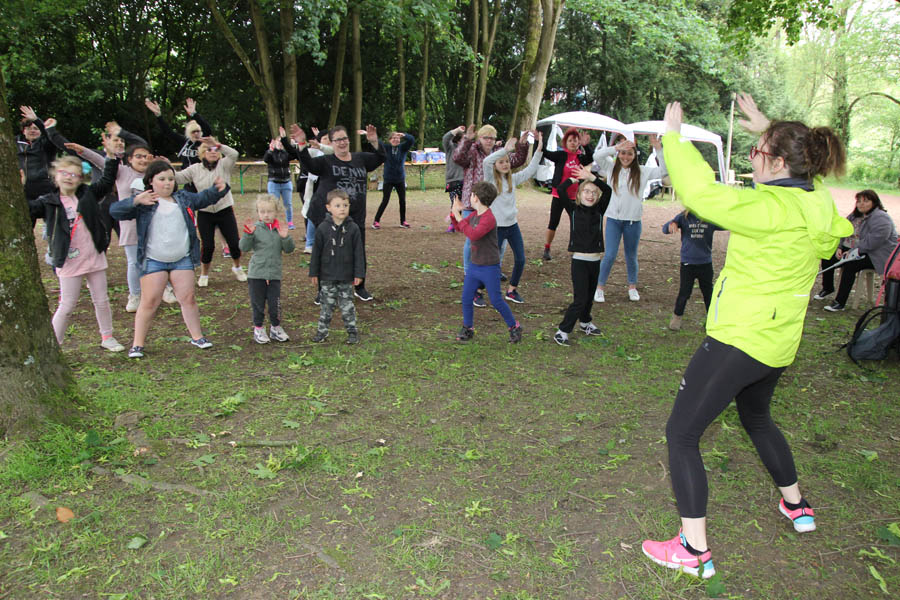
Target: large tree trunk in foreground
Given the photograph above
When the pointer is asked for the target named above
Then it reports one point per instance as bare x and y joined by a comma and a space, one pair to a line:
488, 34
534, 80
34, 377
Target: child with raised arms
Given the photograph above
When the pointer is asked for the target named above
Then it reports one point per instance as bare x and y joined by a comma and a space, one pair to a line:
267, 238
480, 228
586, 245
337, 264
167, 246
696, 260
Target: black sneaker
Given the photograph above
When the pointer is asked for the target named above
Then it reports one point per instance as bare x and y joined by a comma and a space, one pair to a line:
465, 334
202, 343
514, 296
515, 333
363, 294
546, 255
478, 300
320, 337
503, 277
136, 352
318, 300
353, 337
823, 294
561, 338
834, 307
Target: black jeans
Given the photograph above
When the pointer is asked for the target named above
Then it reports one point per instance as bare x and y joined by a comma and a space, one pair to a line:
717, 374
264, 291
386, 198
704, 276
584, 280
848, 276
206, 226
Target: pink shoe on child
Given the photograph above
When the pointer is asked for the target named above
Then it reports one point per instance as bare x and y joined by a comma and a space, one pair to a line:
674, 555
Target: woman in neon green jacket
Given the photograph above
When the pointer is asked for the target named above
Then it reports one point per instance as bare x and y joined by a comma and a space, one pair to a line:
779, 231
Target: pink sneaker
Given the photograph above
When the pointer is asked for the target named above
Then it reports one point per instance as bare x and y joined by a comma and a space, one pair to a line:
674, 555
804, 519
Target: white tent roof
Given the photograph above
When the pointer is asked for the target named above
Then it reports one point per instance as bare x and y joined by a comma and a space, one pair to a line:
691, 132
588, 120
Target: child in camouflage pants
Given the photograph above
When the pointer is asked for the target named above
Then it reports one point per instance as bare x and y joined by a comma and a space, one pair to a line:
337, 264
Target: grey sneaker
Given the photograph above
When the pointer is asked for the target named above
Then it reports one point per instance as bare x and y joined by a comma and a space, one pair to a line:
590, 329
515, 333
259, 335
465, 334
561, 338
353, 337
276, 332
320, 337
202, 343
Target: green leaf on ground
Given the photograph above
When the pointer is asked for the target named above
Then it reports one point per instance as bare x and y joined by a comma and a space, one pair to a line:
136, 542
493, 541
715, 587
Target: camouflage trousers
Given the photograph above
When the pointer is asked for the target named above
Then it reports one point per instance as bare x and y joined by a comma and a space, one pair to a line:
340, 294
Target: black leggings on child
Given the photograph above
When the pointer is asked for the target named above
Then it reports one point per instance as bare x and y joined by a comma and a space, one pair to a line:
386, 198
584, 280
704, 276
717, 374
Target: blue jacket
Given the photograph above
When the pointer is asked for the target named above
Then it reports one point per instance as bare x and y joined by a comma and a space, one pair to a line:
189, 202
395, 159
696, 238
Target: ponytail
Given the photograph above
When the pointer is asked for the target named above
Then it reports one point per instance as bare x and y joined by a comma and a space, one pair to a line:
807, 153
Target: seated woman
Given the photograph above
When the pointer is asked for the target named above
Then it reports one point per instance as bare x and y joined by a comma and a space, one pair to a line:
874, 238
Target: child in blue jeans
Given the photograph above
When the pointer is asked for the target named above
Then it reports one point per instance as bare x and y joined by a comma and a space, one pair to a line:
480, 228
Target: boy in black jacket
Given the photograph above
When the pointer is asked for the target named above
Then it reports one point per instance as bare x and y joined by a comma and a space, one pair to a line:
337, 264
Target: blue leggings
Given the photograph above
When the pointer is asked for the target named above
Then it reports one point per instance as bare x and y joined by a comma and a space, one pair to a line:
513, 235
487, 276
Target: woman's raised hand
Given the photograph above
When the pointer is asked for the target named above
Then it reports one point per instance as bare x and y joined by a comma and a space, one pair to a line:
756, 121
673, 117
297, 134
584, 173
112, 128
190, 107
209, 140
50, 122
655, 143
470, 132
219, 184
372, 135
152, 106
540, 140
28, 113
624, 145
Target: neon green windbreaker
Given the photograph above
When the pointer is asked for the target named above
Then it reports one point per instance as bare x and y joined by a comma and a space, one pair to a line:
778, 235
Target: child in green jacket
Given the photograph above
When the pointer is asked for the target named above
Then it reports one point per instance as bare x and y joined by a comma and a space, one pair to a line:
267, 238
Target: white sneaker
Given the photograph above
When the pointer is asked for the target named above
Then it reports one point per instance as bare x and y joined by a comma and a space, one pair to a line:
169, 295
239, 273
259, 335
307, 250
134, 300
276, 332
203, 281
633, 295
598, 296
112, 345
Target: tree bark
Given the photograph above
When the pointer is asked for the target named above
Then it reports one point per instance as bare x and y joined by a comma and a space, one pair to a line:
357, 80
532, 40
529, 101
488, 34
401, 84
290, 101
35, 377
423, 89
273, 114
341, 51
265, 83
470, 75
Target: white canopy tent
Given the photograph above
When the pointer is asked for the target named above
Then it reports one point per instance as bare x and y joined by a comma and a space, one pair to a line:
582, 120
691, 132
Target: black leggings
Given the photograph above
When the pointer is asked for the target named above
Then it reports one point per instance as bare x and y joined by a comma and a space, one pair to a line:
584, 281
206, 225
717, 374
386, 198
556, 209
264, 292
849, 271
704, 276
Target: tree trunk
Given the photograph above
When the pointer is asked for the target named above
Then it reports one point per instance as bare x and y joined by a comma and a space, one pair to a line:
35, 377
840, 104
423, 89
338, 73
357, 81
273, 114
488, 34
264, 83
529, 103
289, 104
401, 92
532, 40
470, 75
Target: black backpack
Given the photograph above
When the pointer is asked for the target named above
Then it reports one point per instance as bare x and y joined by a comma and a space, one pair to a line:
871, 340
